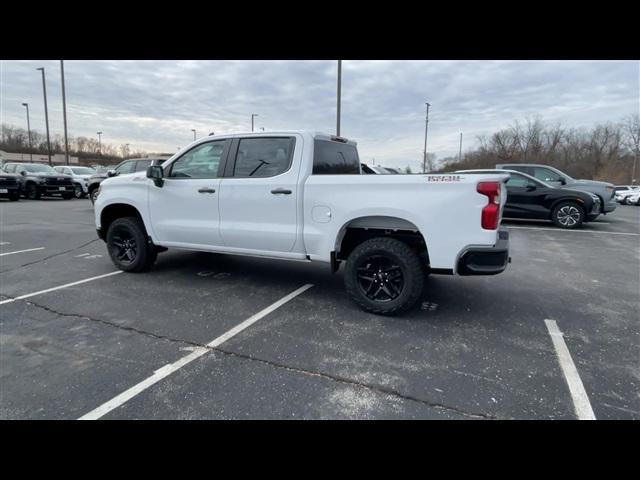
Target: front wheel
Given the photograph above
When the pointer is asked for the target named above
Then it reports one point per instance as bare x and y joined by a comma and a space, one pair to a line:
128, 246
77, 191
568, 215
93, 195
384, 276
32, 192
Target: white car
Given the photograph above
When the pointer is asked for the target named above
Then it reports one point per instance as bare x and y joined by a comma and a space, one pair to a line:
298, 195
633, 199
80, 177
623, 191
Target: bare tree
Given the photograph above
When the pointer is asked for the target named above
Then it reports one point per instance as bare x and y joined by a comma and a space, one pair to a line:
631, 135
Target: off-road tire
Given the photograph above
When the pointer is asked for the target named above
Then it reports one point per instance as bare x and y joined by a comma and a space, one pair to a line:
132, 230
402, 258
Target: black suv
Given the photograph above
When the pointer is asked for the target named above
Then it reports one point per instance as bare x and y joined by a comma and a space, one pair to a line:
39, 180
127, 166
9, 186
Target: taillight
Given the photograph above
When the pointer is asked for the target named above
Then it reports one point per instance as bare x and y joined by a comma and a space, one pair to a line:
490, 213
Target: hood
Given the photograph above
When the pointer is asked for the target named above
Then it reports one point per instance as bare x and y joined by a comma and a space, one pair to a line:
98, 176
593, 183
8, 175
84, 175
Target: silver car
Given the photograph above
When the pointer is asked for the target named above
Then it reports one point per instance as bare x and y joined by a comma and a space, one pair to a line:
556, 178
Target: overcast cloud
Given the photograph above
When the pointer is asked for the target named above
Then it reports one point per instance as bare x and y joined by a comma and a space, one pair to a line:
153, 105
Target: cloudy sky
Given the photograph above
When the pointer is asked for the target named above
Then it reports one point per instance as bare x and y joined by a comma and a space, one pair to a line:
153, 105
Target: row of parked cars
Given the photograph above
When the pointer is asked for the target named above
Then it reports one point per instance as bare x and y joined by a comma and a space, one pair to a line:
542, 192
37, 180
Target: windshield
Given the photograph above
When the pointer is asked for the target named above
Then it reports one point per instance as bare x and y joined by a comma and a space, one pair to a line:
35, 168
83, 170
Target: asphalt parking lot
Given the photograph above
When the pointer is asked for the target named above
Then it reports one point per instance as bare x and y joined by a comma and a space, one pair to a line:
134, 346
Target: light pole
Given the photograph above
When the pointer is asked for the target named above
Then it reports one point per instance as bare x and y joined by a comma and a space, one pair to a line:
46, 112
64, 113
194, 134
29, 131
262, 128
339, 96
126, 146
460, 152
99, 142
253, 115
426, 130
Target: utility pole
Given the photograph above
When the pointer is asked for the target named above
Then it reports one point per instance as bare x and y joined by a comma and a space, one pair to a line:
46, 113
253, 115
426, 130
64, 113
460, 153
339, 97
29, 132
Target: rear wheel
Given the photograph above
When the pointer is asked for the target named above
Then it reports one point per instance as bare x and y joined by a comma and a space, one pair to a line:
128, 246
568, 215
384, 276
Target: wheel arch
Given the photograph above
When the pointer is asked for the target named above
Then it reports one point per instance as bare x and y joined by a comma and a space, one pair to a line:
114, 211
359, 229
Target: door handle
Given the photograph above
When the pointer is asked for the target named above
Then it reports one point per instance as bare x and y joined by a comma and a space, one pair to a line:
281, 191
206, 190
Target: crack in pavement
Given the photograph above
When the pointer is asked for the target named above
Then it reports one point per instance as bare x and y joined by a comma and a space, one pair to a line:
381, 389
50, 256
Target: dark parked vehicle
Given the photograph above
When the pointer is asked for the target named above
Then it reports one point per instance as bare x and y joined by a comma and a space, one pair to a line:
9, 186
39, 180
131, 165
530, 198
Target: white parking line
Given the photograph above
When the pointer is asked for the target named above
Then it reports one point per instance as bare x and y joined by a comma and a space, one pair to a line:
9, 300
197, 353
22, 251
580, 231
579, 396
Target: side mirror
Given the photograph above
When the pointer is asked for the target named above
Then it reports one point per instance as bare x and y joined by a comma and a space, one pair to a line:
563, 181
155, 173
23, 173
111, 173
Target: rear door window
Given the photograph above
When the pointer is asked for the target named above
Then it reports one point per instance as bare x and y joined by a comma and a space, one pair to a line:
263, 157
335, 158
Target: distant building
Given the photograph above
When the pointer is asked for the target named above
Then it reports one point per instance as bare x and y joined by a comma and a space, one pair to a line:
58, 158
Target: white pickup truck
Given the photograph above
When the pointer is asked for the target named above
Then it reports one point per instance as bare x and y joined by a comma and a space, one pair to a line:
299, 195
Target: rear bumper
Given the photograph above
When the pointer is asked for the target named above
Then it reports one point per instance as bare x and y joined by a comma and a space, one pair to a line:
486, 260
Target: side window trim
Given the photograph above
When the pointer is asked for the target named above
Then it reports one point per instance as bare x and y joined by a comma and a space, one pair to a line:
229, 171
221, 165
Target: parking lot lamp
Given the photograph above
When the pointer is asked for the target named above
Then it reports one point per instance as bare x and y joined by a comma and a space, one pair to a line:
64, 113
253, 115
26, 105
99, 142
339, 97
194, 134
46, 113
426, 130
